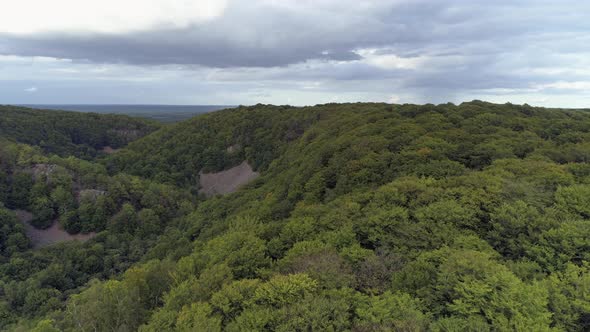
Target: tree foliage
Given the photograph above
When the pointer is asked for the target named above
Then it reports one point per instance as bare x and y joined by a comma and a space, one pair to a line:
366, 217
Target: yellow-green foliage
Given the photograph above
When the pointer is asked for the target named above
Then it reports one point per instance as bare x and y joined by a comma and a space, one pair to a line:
366, 217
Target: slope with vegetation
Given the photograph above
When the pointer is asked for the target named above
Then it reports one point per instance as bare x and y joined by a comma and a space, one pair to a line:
71, 133
365, 217
214, 142
127, 217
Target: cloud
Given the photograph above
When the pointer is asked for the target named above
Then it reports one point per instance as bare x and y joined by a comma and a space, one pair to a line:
394, 99
31, 89
390, 61
307, 51
564, 85
269, 33
106, 16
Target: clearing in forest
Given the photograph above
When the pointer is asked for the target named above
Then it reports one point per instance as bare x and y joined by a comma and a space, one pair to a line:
227, 181
46, 237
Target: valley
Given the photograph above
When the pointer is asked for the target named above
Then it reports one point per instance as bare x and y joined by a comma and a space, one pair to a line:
362, 217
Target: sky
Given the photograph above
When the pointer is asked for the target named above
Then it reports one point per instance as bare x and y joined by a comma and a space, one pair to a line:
298, 52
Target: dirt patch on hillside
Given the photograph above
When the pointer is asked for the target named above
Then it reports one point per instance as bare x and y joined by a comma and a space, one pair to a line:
233, 148
127, 134
109, 150
24, 216
89, 194
46, 237
41, 170
227, 181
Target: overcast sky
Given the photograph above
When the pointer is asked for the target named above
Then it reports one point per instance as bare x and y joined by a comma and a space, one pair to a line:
297, 52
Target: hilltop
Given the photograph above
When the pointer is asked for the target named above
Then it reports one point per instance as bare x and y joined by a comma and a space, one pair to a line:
362, 217
71, 133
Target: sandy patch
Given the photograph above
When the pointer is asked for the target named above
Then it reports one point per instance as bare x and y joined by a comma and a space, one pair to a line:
45, 237
227, 181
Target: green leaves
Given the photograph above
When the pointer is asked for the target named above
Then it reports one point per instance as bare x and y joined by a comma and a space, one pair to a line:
472, 284
281, 290
574, 199
391, 311
569, 297
108, 306
366, 217
70, 133
198, 317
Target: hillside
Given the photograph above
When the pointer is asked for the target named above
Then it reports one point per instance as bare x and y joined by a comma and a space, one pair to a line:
71, 133
364, 217
213, 142
160, 113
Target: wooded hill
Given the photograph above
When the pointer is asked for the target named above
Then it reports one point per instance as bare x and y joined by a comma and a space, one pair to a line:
366, 217
71, 133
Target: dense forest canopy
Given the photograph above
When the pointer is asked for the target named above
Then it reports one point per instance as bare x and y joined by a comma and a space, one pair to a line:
366, 217
214, 142
71, 133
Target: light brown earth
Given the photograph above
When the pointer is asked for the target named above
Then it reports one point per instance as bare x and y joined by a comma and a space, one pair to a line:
46, 237
109, 150
227, 181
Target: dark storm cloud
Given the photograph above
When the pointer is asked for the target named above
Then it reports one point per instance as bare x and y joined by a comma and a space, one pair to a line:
246, 35
259, 34
157, 48
421, 48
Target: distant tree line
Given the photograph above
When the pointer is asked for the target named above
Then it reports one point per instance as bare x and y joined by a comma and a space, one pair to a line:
70, 133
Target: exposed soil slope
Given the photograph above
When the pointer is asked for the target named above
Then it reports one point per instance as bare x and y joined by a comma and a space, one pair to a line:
109, 150
227, 181
46, 237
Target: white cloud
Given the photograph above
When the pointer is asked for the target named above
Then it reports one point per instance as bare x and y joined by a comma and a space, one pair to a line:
390, 61
14, 59
32, 89
394, 99
563, 85
298, 51
106, 16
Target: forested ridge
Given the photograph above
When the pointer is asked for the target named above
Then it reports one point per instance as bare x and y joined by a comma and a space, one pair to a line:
71, 133
366, 217
177, 153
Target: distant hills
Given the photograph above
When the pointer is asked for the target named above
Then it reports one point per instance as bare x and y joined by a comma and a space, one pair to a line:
65, 133
162, 113
360, 217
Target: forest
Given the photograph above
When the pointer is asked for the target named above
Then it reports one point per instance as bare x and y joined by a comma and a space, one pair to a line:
365, 217
83, 135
